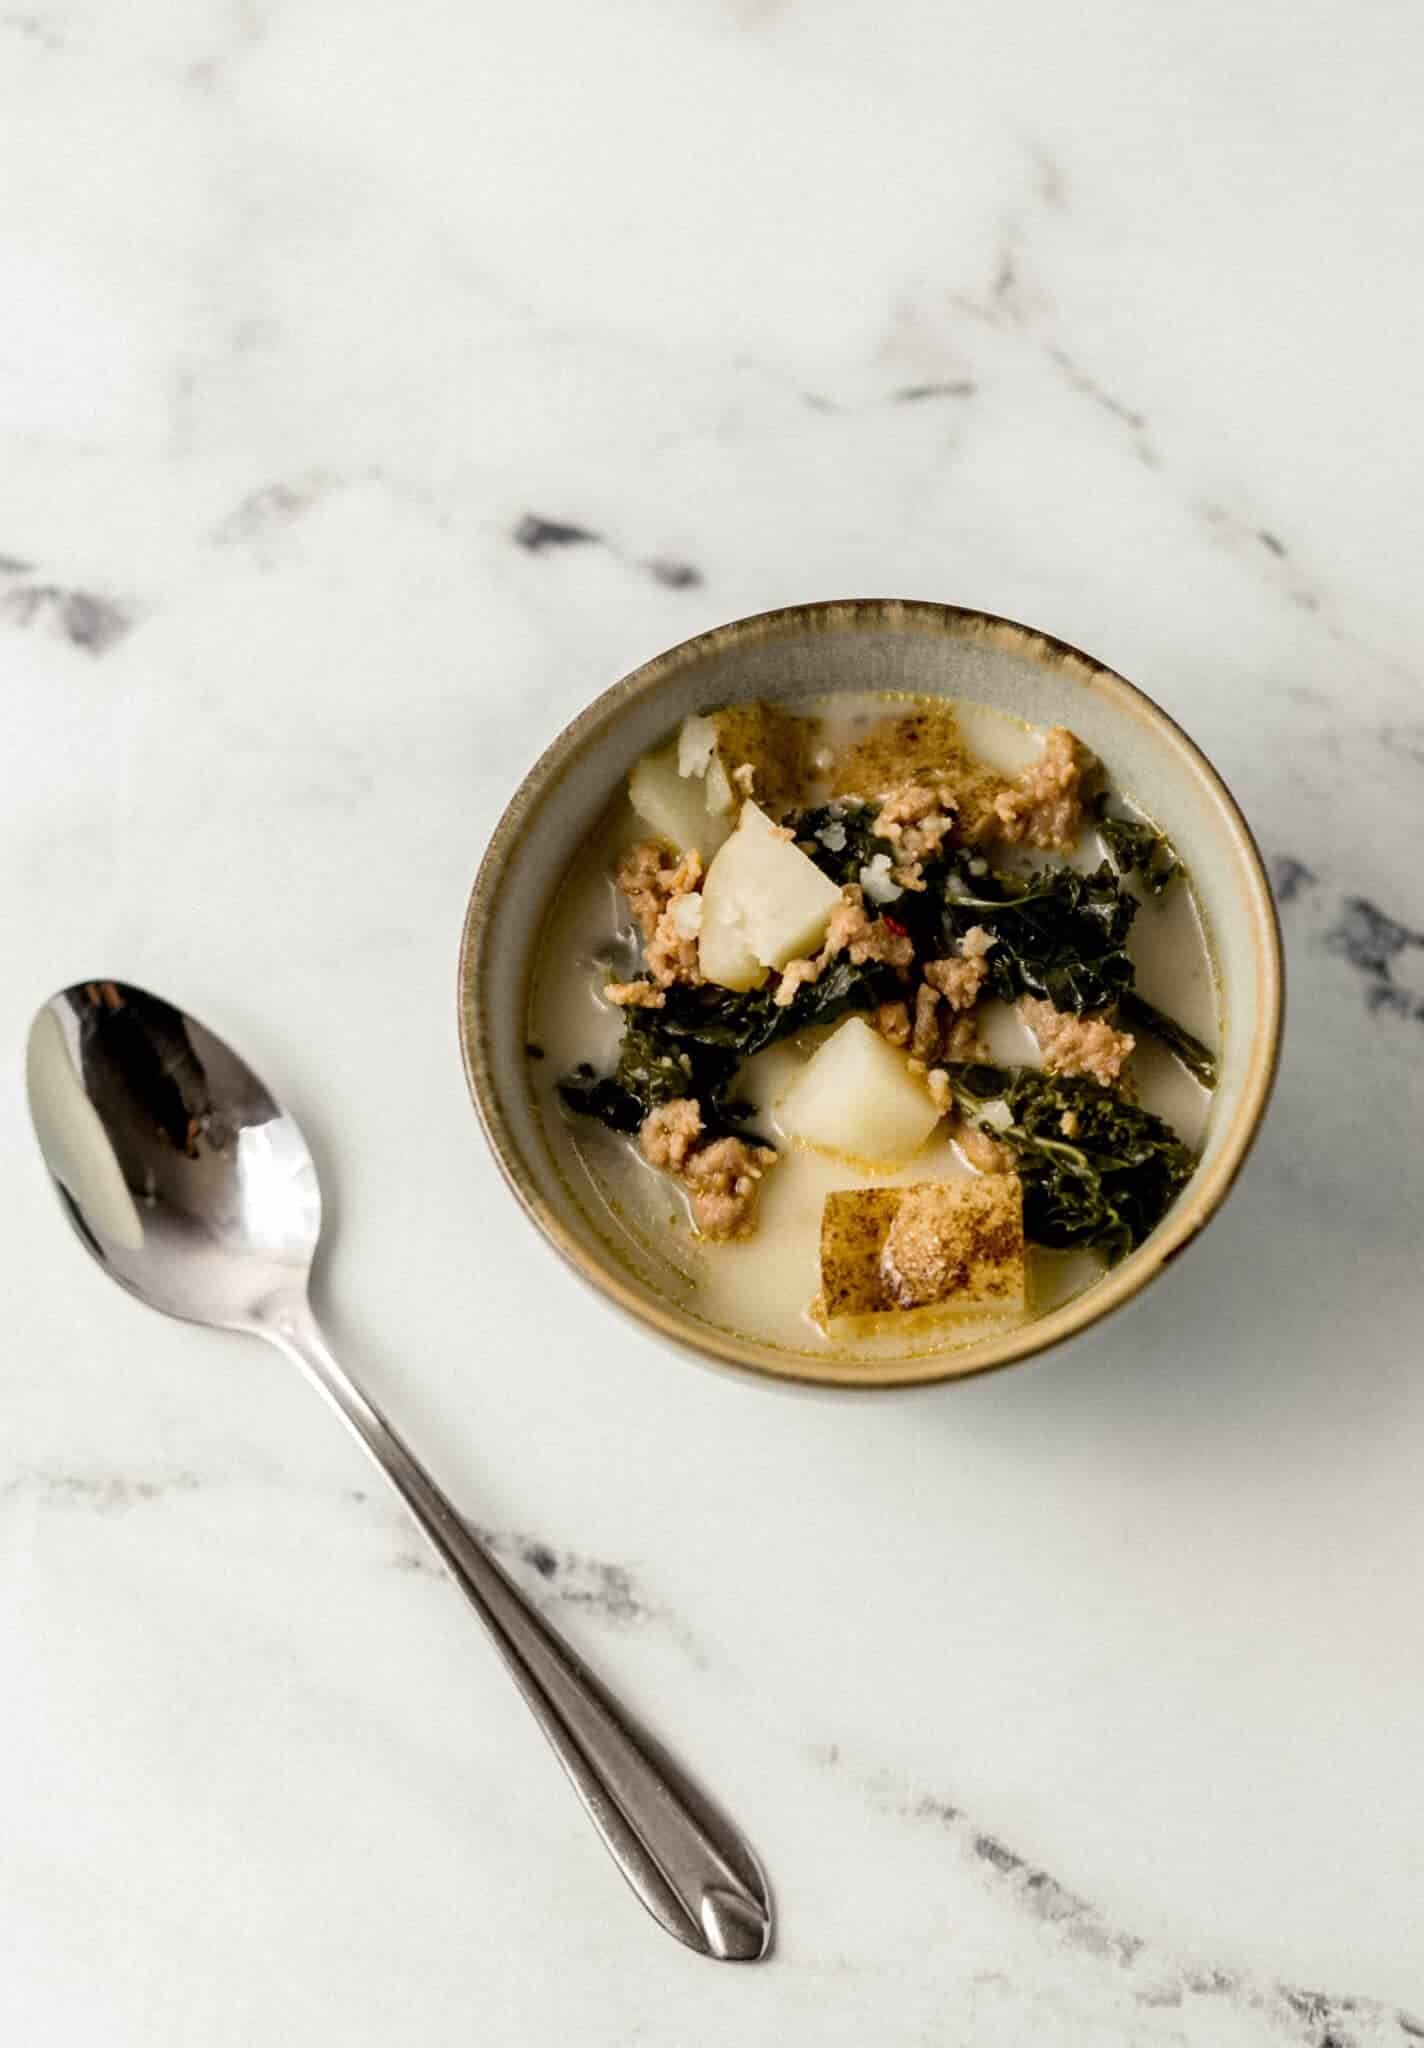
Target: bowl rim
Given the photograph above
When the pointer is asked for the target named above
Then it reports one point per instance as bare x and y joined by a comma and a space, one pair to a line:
1123, 1283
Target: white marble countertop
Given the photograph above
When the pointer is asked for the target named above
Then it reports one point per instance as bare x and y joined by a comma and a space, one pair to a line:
1080, 1704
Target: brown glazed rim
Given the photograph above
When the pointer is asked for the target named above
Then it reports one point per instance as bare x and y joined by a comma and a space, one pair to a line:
1207, 1190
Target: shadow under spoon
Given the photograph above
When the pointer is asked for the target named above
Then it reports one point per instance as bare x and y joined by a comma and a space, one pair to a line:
196, 1191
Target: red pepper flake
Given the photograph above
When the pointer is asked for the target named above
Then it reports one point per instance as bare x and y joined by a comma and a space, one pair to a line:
893, 924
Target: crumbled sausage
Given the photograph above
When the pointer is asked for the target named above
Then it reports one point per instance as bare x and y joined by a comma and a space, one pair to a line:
1077, 1045
961, 1040
656, 893
722, 1176
724, 1184
849, 931
960, 980
926, 1037
1044, 807
796, 974
917, 818
866, 938
892, 1021
983, 1152
669, 1134
635, 995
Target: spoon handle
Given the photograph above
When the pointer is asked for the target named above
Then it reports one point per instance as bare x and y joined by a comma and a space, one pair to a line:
690, 1867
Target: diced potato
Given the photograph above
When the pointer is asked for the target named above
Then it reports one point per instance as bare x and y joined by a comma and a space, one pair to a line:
775, 744
721, 797
970, 1234
675, 805
723, 954
856, 1096
763, 903
926, 740
684, 790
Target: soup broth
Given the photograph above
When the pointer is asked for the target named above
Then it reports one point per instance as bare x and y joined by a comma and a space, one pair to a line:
767, 1285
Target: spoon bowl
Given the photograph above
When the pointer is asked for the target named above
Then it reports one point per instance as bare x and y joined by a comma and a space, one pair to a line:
196, 1191
181, 1174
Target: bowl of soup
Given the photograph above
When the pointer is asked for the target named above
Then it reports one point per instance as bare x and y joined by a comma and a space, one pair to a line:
870, 993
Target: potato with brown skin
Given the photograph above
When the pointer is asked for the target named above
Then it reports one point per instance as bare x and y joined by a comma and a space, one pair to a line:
776, 745
957, 1246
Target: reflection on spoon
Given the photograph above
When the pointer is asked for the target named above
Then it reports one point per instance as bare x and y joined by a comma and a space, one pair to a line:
73, 1139
195, 1190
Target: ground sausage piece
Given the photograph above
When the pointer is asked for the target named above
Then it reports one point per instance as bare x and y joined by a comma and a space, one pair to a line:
671, 953
723, 1181
670, 1133
961, 1041
723, 1176
635, 995
654, 892
892, 1021
1076, 1045
958, 981
849, 931
865, 938
982, 1151
916, 818
1044, 807
926, 1037
796, 974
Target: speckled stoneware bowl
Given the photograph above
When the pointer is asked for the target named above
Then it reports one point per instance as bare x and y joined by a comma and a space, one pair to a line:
885, 645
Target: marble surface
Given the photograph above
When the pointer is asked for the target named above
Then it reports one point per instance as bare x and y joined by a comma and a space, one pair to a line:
375, 389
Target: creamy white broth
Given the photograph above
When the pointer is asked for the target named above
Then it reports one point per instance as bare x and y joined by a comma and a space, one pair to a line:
763, 1287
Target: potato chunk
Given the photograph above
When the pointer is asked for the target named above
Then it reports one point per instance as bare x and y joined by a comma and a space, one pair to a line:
684, 790
763, 903
675, 805
775, 745
856, 1096
954, 1247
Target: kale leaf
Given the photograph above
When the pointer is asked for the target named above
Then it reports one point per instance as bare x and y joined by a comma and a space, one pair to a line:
839, 839
1138, 849
746, 1024
1198, 1059
652, 1069
1106, 1182
1060, 934
695, 1044
847, 825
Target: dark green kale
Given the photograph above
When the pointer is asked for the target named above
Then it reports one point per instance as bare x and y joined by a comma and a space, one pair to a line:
716, 1018
1138, 849
696, 1043
1198, 1059
839, 839
652, 1069
1060, 934
1105, 1182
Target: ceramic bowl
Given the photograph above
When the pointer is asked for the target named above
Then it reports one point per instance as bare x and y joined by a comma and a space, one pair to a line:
881, 645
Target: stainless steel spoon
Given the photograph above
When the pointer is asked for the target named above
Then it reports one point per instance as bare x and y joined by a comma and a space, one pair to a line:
196, 1191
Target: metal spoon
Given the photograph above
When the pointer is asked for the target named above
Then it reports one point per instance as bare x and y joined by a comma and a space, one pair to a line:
196, 1192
